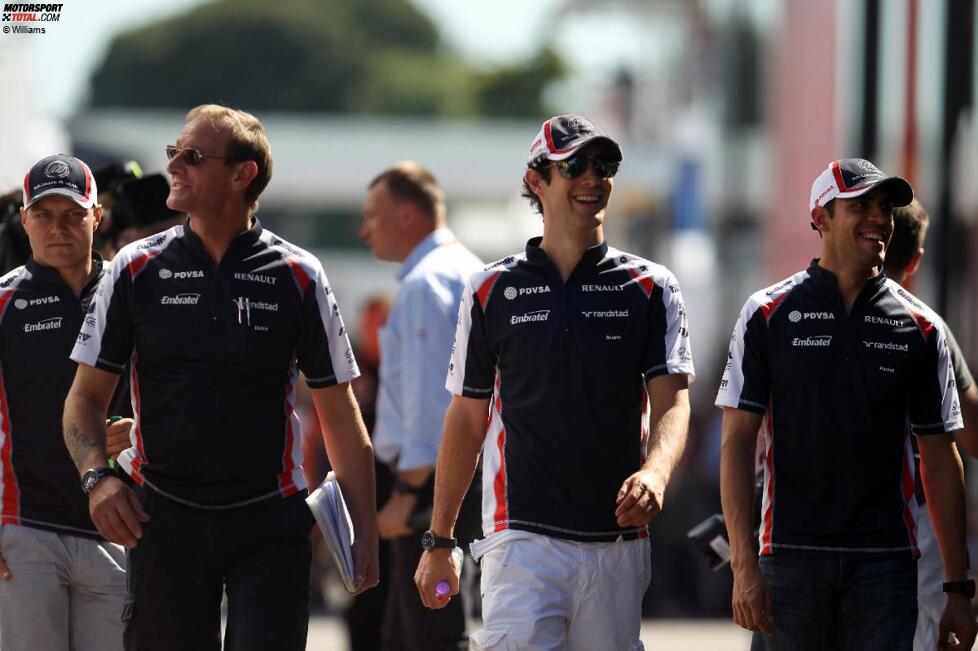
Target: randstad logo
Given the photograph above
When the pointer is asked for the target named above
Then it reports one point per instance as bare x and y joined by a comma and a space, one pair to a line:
181, 299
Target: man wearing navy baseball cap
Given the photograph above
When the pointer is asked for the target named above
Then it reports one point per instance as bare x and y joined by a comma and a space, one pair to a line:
578, 356
63, 585
831, 365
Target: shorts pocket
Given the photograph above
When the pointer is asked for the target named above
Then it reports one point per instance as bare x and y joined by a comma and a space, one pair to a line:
488, 641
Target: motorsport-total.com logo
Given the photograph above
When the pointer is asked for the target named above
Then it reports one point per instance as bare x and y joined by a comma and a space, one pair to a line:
29, 13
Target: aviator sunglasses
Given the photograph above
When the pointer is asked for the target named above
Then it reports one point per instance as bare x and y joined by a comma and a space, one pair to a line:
573, 167
190, 155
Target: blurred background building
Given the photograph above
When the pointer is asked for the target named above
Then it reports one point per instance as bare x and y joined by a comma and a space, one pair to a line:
726, 109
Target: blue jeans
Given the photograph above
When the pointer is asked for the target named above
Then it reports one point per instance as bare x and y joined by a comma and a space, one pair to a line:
844, 604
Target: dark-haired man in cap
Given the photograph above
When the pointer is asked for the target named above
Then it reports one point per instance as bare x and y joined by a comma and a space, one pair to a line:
63, 585
835, 361
218, 316
567, 349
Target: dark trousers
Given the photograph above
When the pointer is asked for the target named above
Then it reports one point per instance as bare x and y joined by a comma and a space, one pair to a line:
408, 625
843, 604
259, 555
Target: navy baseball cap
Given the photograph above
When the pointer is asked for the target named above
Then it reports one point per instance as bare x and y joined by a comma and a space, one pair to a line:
854, 177
561, 136
64, 175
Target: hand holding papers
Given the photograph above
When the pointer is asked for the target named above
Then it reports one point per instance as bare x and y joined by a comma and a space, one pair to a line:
329, 509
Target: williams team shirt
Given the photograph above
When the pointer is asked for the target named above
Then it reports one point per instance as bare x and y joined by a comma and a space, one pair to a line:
565, 366
837, 391
215, 353
39, 320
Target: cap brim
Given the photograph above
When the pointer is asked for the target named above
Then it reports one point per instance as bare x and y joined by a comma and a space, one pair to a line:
897, 189
573, 148
64, 192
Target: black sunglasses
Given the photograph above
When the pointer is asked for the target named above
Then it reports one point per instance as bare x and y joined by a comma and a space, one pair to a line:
190, 155
573, 167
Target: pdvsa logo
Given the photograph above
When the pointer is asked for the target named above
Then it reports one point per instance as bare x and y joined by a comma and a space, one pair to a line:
166, 274
511, 292
23, 303
795, 316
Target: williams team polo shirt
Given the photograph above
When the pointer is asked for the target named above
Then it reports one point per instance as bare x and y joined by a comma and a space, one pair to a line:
39, 320
215, 354
836, 391
565, 367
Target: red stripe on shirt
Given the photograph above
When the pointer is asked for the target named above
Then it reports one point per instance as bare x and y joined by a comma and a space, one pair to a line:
286, 483
769, 469
907, 486
10, 509
483, 292
137, 462
645, 281
301, 277
10, 504
768, 308
501, 516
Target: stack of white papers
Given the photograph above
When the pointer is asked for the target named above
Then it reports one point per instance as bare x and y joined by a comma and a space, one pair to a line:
329, 509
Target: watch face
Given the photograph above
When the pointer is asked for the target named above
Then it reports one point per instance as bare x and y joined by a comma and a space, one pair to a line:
88, 482
427, 541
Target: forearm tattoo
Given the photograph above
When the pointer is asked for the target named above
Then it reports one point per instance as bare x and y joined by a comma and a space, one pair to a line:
79, 446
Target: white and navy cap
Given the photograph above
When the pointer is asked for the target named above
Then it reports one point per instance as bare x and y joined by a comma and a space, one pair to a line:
64, 175
853, 177
563, 135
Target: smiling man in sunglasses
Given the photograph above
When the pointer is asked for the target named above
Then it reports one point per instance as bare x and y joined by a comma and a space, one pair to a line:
567, 349
218, 316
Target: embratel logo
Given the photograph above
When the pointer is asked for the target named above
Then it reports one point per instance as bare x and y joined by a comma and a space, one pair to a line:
181, 299
47, 324
817, 341
529, 317
30, 13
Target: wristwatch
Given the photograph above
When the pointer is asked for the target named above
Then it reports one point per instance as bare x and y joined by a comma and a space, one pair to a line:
430, 541
967, 588
93, 476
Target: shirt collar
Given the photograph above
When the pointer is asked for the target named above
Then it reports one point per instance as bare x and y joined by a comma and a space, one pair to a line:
46, 274
591, 258
241, 241
827, 280
434, 239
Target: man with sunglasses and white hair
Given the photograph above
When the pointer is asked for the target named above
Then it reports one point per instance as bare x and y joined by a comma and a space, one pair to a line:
567, 350
62, 585
217, 317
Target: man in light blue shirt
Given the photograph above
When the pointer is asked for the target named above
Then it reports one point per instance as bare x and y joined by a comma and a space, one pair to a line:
404, 221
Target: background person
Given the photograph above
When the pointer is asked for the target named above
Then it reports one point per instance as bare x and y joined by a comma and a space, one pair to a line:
903, 256
404, 221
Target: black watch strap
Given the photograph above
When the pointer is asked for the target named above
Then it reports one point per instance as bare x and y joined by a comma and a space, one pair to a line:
967, 588
93, 476
430, 541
